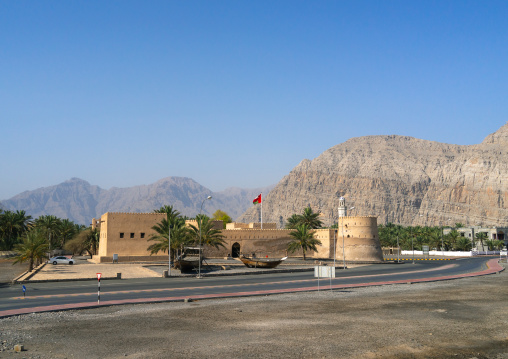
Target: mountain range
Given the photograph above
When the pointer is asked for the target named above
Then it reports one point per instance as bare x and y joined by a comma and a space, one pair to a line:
399, 179
79, 201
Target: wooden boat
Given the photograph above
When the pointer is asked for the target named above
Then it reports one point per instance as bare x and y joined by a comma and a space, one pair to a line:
189, 260
261, 262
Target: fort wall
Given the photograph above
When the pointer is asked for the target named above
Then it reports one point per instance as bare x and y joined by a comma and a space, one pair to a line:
127, 234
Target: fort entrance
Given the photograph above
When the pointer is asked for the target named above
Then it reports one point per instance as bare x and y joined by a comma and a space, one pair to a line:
235, 250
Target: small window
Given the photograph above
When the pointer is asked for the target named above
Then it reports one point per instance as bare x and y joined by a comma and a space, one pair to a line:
132, 235
121, 235
142, 235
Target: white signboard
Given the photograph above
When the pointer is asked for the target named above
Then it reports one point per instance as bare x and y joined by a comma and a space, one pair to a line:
324, 272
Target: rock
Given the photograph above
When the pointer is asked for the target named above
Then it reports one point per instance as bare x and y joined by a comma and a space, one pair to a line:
399, 179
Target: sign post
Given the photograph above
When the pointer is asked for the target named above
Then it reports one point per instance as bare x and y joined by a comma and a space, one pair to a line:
502, 253
325, 272
99, 289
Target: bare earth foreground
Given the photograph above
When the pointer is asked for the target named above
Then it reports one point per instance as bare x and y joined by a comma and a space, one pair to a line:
466, 318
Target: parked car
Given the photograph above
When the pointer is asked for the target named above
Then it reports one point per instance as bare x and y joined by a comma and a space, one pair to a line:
61, 260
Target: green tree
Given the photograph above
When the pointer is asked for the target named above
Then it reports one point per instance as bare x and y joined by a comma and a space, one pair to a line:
66, 230
85, 240
434, 238
482, 237
303, 238
32, 248
293, 221
494, 244
459, 225
204, 230
49, 225
463, 244
311, 219
171, 213
219, 215
308, 217
453, 237
498, 245
180, 236
12, 226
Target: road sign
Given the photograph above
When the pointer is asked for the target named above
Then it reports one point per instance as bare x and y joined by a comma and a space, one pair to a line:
24, 289
99, 276
324, 272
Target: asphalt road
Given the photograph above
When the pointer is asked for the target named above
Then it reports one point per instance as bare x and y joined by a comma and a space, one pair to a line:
50, 296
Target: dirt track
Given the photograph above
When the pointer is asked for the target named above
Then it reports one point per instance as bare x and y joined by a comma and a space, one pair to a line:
465, 318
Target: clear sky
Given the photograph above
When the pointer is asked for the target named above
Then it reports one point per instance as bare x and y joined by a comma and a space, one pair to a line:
236, 93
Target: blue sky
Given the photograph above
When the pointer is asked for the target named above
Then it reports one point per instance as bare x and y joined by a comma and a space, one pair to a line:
236, 93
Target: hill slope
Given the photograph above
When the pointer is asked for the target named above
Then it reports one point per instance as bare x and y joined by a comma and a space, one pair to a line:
399, 179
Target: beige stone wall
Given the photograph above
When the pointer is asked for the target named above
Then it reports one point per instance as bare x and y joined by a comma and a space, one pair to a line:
136, 229
360, 238
266, 242
215, 224
238, 225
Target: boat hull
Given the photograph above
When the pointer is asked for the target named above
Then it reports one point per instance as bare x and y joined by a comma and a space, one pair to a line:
261, 263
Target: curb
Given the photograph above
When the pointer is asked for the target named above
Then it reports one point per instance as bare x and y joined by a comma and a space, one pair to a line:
420, 259
34, 272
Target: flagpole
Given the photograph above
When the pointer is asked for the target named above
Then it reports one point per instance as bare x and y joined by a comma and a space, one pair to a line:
261, 196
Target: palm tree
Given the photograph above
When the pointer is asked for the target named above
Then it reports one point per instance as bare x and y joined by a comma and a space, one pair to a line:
463, 244
49, 225
308, 217
452, 237
205, 233
434, 238
303, 239
32, 248
293, 221
481, 236
171, 213
66, 230
180, 237
12, 226
311, 219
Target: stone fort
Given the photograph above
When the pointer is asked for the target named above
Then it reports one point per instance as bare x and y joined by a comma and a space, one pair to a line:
127, 234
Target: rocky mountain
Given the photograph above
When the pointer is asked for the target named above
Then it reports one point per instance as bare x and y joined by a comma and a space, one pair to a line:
79, 201
400, 179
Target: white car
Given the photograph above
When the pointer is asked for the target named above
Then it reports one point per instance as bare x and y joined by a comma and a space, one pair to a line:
61, 260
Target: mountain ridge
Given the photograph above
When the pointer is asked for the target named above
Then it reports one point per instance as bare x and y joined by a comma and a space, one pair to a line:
80, 201
399, 179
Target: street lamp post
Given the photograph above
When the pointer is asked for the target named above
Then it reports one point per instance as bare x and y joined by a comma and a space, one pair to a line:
343, 248
200, 223
169, 248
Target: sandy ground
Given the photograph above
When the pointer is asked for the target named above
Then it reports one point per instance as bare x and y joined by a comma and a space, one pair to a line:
8, 271
466, 318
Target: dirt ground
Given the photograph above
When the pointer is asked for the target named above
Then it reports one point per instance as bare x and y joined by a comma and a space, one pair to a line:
8, 271
466, 318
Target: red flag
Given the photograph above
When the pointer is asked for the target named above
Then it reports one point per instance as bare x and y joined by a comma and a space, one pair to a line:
257, 199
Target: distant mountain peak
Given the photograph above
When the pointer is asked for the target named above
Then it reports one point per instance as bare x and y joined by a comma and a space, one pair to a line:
498, 137
79, 201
